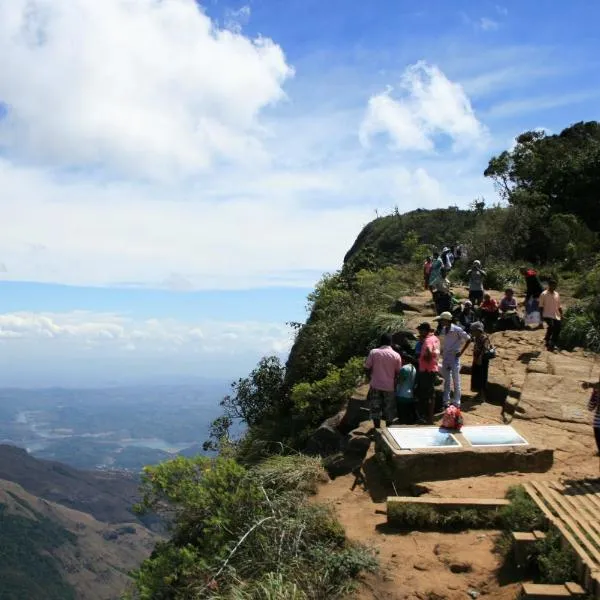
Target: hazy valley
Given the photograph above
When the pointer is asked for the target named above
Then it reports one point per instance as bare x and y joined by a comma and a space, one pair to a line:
111, 428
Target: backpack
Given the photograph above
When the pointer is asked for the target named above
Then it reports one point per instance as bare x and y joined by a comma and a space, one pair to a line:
452, 418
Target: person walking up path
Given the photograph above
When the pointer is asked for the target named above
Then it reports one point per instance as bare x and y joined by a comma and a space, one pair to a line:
552, 312
428, 370
455, 341
383, 365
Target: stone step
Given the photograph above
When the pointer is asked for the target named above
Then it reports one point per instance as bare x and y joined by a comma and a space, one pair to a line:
522, 542
449, 503
538, 591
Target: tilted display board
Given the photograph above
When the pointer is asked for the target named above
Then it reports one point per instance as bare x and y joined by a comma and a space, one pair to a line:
412, 438
492, 435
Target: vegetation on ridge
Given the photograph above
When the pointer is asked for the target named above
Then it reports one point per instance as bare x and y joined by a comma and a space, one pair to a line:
246, 533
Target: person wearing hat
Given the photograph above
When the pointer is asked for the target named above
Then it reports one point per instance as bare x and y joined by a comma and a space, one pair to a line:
476, 275
467, 315
455, 341
427, 373
481, 362
447, 258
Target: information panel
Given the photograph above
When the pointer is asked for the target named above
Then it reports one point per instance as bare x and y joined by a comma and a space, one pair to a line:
411, 438
493, 435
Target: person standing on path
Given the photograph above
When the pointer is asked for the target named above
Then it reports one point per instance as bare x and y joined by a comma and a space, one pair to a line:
476, 275
552, 312
405, 396
383, 365
455, 341
534, 289
594, 404
427, 271
428, 370
481, 362
437, 268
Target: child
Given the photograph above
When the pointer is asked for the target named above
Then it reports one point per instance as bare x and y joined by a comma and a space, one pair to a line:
594, 404
405, 396
489, 312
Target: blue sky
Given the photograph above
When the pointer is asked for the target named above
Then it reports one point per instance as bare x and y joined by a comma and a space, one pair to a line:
175, 180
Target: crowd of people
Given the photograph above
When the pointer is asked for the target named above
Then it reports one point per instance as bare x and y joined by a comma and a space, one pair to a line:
402, 383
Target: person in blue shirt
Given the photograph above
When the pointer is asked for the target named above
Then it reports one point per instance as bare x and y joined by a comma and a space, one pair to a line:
405, 396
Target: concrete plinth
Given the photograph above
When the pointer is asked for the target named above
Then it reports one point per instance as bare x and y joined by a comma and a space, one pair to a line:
443, 463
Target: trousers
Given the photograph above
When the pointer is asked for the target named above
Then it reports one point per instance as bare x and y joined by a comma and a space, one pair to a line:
552, 332
383, 403
451, 375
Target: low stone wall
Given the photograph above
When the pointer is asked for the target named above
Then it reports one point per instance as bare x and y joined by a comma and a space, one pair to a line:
413, 466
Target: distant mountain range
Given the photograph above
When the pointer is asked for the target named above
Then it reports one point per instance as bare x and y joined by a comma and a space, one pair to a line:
67, 534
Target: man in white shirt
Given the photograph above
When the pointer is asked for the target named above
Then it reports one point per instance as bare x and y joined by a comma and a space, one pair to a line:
455, 342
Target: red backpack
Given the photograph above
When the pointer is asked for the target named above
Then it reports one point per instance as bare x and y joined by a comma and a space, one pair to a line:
452, 418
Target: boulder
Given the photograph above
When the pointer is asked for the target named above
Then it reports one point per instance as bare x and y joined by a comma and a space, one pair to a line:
327, 439
400, 306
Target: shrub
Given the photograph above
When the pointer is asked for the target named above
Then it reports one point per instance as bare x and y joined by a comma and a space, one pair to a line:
501, 276
556, 562
245, 533
273, 586
420, 517
291, 473
581, 327
313, 402
522, 514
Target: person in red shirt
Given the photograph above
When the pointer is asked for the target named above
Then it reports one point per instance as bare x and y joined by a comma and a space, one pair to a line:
488, 310
427, 373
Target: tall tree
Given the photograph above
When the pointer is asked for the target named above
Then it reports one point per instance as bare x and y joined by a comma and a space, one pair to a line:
553, 174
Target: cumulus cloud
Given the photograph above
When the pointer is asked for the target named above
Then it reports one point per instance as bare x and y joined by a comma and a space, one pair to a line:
145, 88
428, 106
116, 107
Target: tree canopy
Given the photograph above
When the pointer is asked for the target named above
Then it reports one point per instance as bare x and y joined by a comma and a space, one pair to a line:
554, 174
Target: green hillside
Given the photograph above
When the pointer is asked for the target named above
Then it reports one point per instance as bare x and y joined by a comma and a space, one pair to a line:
27, 567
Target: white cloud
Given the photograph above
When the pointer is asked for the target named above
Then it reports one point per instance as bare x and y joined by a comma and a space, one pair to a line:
143, 88
236, 19
488, 24
108, 332
429, 106
86, 348
101, 173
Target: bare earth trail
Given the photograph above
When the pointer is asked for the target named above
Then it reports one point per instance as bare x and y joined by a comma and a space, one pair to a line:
547, 394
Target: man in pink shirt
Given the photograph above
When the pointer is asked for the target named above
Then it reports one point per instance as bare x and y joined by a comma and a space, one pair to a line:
552, 312
428, 369
383, 365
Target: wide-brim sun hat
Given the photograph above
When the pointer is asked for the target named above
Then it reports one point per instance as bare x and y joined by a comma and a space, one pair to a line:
445, 316
467, 303
477, 326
